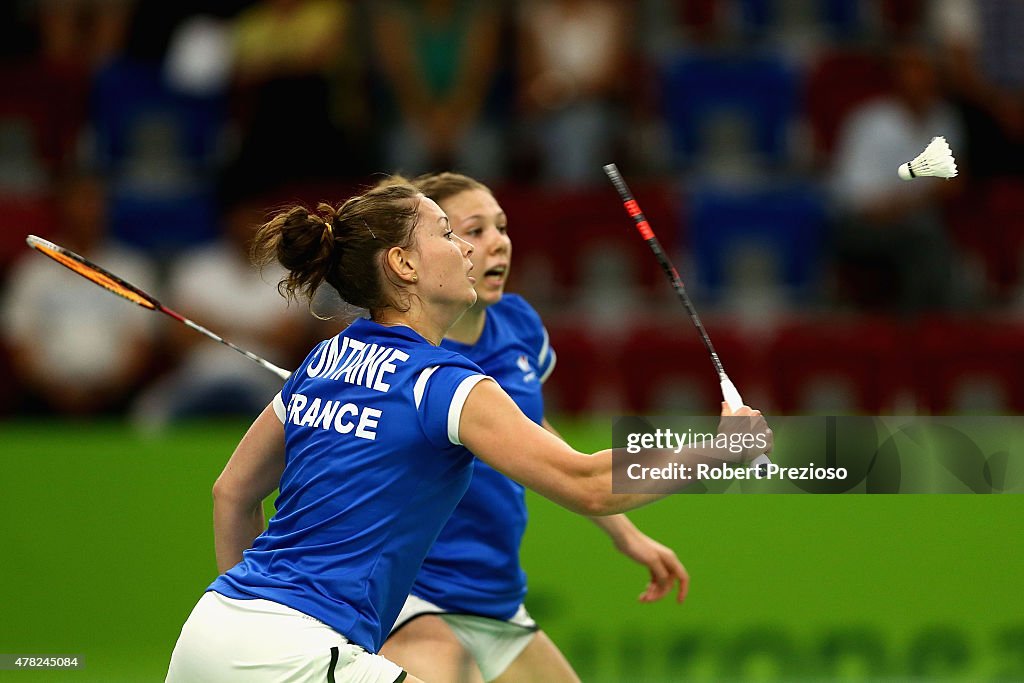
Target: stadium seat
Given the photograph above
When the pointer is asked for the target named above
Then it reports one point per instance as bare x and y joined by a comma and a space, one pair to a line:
970, 365
24, 215
163, 226
902, 18
781, 228
582, 237
666, 367
998, 204
131, 99
600, 233
698, 17
159, 148
757, 16
1005, 203
585, 376
843, 18
48, 105
838, 81
838, 365
760, 90
535, 243
41, 115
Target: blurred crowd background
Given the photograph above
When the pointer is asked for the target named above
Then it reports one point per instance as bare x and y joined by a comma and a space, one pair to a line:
761, 137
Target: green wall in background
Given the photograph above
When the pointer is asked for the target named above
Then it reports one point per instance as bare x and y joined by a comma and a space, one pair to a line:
106, 543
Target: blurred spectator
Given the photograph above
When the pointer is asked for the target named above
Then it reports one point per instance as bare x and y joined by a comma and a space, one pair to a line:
297, 66
572, 72
199, 56
83, 34
219, 288
76, 348
439, 59
985, 59
892, 246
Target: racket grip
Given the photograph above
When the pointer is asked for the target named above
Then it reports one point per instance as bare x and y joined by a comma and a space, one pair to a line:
732, 398
731, 394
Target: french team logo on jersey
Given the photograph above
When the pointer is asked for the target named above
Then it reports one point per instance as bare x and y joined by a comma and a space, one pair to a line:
524, 364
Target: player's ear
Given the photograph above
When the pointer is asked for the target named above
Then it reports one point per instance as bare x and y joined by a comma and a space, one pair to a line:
398, 261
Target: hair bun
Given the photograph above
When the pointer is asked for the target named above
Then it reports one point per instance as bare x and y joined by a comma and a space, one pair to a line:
327, 215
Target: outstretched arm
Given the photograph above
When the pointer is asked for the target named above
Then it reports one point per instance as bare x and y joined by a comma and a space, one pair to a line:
660, 560
665, 568
493, 427
252, 474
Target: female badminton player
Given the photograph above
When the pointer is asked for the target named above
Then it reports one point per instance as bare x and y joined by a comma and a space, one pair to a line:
465, 619
370, 444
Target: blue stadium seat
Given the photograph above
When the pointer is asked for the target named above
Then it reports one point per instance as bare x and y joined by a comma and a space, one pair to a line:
130, 97
844, 18
761, 89
163, 226
786, 224
160, 149
756, 15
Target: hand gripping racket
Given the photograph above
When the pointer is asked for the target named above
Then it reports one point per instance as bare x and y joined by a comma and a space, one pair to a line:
729, 392
113, 283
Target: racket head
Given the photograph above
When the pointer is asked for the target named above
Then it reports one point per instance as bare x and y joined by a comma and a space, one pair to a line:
92, 272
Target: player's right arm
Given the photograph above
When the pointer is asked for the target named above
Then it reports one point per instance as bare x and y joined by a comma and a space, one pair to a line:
494, 428
252, 474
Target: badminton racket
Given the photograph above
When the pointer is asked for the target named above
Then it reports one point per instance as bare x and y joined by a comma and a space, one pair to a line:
126, 290
729, 392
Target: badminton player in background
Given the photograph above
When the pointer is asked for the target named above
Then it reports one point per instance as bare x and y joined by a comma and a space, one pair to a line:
465, 619
370, 444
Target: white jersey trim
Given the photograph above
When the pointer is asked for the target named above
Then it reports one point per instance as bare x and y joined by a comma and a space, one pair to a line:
459, 400
421, 384
279, 408
551, 367
544, 347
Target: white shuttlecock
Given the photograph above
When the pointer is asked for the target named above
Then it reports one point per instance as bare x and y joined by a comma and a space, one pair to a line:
936, 160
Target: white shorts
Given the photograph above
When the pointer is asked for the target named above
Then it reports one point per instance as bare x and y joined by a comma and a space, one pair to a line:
258, 640
494, 644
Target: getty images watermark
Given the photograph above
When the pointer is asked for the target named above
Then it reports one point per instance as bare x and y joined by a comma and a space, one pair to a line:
696, 443
862, 454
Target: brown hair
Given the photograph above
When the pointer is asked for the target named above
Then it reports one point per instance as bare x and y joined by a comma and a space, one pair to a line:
343, 246
441, 186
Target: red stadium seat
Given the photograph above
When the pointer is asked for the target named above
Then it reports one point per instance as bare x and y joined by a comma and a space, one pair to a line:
24, 215
989, 223
838, 365
837, 82
902, 18
50, 103
665, 367
698, 17
566, 236
585, 377
970, 365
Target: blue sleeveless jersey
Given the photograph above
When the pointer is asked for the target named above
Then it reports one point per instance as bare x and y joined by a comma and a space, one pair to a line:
473, 567
373, 469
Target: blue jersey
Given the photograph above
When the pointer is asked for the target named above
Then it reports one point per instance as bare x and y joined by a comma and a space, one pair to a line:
473, 566
373, 469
